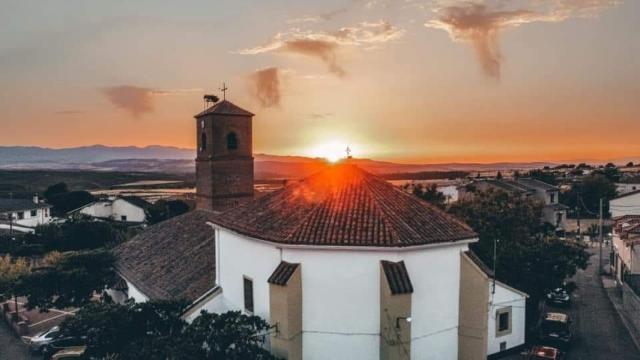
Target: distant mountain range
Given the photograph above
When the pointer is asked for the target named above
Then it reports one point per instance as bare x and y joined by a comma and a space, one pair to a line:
168, 159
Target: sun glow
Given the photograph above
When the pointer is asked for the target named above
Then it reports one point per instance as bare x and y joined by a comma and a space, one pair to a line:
332, 151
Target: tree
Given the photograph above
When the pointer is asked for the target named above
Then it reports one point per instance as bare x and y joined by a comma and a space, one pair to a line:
165, 209
75, 235
586, 195
70, 279
64, 202
59, 188
544, 176
630, 164
499, 175
529, 256
430, 194
11, 270
156, 330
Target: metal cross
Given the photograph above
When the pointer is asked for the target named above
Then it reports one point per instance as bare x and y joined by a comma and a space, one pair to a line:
224, 91
348, 150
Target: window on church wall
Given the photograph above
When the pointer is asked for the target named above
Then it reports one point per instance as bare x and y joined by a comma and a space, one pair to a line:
203, 141
232, 141
248, 294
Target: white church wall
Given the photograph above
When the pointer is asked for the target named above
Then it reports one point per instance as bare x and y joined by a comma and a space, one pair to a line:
135, 294
435, 275
504, 298
341, 294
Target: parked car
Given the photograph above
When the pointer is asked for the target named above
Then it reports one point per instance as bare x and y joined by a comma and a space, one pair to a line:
74, 352
555, 330
559, 297
544, 353
39, 341
57, 345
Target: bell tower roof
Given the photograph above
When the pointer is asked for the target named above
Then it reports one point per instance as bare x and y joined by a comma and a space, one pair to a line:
225, 107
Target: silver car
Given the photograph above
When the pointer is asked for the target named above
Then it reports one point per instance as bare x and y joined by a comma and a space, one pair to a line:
40, 340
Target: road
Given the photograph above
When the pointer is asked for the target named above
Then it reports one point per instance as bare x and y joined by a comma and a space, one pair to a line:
10, 347
598, 331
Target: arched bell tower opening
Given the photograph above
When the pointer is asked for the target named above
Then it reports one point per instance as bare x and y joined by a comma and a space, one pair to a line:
224, 163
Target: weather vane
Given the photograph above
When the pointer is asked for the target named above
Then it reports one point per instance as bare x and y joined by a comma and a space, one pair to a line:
224, 91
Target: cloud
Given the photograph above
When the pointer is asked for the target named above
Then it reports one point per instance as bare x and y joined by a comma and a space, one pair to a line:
137, 100
69, 112
319, 18
480, 23
324, 45
265, 86
319, 116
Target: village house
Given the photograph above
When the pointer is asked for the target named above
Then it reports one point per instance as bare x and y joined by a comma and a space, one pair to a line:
126, 209
554, 213
625, 204
626, 253
342, 264
492, 314
23, 215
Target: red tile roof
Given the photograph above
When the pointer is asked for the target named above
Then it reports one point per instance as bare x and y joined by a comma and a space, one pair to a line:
225, 107
282, 273
344, 206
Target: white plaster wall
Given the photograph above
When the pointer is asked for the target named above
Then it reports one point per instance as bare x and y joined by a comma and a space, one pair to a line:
136, 294
99, 209
503, 298
42, 217
133, 213
628, 205
341, 294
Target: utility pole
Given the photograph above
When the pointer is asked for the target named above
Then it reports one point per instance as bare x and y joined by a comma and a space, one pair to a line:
600, 235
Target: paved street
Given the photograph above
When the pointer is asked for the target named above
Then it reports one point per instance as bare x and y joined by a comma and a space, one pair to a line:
598, 330
10, 347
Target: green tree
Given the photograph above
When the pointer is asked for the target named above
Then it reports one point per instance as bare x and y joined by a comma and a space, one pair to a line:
11, 270
586, 195
70, 279
544, 176
630, 164
529, 256
162, 210
66, 201
76, 235
430, 194
56, 189
156, 330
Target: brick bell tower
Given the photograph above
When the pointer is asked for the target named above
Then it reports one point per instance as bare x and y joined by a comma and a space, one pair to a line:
224, 164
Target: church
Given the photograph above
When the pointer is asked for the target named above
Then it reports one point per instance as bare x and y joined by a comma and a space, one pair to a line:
342, 264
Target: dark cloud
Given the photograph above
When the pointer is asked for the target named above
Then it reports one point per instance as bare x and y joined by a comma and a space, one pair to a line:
265, 86
320, 49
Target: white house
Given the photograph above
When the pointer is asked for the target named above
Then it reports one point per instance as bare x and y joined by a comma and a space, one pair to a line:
625, 204
492, 314
24, 215
626, 252
129, 209
624, 188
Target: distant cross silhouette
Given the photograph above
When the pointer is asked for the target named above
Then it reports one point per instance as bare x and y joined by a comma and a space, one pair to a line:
348, 150
224, 91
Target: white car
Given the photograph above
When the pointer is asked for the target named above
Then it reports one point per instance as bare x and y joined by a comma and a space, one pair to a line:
40, 340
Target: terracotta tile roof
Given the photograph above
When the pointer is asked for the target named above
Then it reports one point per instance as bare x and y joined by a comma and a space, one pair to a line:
174, 259
344, 206
536, 184
225, 107
282, 273
397, 277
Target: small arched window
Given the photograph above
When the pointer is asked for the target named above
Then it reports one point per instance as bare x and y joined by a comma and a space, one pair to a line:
203, 141
232, 141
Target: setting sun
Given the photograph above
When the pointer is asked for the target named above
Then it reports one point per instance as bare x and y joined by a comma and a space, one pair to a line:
332, 151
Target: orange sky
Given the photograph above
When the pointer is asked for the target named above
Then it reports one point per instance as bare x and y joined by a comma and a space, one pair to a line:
414, 81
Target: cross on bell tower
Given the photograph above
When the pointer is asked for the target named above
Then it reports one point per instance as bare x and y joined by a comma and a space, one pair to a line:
224, 89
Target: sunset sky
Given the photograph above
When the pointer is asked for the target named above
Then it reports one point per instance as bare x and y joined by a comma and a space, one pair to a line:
408, 81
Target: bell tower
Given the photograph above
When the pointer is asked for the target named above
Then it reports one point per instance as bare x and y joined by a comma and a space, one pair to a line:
224, 162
